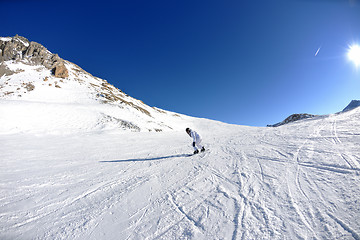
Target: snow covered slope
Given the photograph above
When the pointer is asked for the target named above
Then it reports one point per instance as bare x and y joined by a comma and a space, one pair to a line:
42, 93
297, 181
82, 160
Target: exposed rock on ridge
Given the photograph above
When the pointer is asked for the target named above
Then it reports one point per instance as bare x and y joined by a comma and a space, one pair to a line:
293, 118
81, 102
353, 104
21, 49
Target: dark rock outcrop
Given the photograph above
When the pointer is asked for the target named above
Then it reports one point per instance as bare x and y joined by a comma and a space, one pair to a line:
21, 49
60, 71
4, 70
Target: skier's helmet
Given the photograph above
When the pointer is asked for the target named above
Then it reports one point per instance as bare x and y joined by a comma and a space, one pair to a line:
187, 130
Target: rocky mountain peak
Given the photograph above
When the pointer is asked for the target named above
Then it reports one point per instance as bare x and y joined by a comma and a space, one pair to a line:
50, 93
21, 49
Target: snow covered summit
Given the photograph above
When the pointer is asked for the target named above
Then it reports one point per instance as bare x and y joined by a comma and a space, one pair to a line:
43, 93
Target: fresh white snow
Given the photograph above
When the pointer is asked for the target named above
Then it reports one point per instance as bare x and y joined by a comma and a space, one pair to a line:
297, 181
5, 39
33, 101
83, 160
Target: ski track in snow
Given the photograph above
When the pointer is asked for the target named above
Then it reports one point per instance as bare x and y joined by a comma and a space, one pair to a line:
298, 181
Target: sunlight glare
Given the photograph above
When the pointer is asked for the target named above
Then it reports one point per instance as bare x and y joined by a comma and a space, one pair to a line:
354, 54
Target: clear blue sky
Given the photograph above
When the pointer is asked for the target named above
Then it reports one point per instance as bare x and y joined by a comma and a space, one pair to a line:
243, 62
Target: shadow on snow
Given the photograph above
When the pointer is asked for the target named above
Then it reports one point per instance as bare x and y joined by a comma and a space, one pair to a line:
148, 159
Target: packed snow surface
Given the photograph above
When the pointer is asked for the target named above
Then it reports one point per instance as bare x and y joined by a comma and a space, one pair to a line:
297, 181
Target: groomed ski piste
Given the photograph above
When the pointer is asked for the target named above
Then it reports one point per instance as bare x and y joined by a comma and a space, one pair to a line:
297, 181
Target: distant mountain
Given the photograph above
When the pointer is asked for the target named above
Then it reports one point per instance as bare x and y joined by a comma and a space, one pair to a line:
41, 92
353, 104
293, 118
296, 117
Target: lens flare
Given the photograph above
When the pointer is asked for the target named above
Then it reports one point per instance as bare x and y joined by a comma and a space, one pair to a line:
354, 54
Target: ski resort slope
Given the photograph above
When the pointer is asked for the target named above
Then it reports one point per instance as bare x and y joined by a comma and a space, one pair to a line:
297, 181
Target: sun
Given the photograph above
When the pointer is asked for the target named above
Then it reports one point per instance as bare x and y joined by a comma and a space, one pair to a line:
354, 54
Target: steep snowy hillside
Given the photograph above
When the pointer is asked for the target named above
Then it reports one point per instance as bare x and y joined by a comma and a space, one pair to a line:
296, 181
42, 93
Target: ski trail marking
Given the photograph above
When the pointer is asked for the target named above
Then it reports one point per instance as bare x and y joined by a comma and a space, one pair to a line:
345, 227
185, 215
297, 181
236, 218
350, 161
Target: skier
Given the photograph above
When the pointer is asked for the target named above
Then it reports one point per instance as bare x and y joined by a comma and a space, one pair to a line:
196, 140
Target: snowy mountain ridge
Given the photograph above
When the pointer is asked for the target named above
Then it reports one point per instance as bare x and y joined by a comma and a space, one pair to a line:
352, 105
293, 118
300, 116
45, 91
